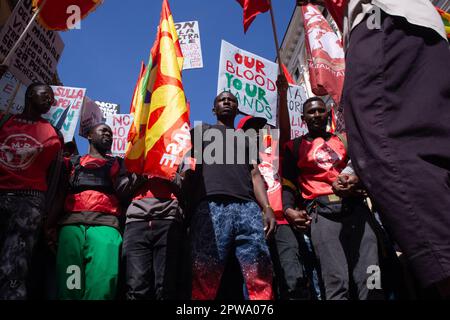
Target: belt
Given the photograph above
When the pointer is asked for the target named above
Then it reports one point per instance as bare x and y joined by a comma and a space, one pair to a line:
331, 198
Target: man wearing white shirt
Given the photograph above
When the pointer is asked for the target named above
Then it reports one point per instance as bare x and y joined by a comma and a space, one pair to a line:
396, 99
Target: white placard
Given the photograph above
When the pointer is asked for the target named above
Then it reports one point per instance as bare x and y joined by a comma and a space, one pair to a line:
296, 96
120, 125
251, 79
67, 107
189, 38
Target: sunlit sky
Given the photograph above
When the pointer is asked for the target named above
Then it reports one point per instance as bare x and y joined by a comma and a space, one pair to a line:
104, 55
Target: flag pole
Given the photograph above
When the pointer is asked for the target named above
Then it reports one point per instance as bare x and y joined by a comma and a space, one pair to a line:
275, 36
24, 32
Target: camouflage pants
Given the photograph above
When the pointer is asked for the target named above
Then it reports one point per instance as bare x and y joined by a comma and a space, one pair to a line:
20, 220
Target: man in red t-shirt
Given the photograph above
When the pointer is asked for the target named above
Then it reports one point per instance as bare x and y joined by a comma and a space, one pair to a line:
89, 240
343, 240
28, 147
396, 83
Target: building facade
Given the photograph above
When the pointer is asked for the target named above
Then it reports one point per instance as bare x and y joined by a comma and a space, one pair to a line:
292, 50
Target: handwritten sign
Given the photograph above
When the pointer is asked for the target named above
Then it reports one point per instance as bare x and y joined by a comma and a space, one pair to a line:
189, 38
67, 107
120, 125
296, 97
36, 57
8, 84
251, 79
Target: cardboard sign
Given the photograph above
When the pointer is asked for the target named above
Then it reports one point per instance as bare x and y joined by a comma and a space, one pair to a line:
296, 97
36, 57
65, 112
251, 79
8, 84
189, 38
91, 115
120, 125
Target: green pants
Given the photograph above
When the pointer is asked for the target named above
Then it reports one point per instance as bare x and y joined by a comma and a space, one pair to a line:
87, 262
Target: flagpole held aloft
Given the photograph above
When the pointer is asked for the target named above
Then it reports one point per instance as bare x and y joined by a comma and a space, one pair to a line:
272, 16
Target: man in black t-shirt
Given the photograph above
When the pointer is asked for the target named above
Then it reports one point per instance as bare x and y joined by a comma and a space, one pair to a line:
226, 216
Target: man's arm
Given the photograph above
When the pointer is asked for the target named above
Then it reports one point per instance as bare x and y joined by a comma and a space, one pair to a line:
126, 184
261, 196
58, 184
55, 201
298, 219
285, 124
347, 184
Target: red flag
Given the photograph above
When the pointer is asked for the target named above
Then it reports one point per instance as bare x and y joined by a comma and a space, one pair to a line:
136, 88
327, 59
134, 101
287, 75
251, 9
337, 10
161, 117
55, 14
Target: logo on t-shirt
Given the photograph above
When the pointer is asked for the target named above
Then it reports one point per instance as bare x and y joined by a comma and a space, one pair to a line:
268, 173
18, 151
325, 157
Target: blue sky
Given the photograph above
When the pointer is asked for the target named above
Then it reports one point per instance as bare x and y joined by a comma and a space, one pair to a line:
104, 55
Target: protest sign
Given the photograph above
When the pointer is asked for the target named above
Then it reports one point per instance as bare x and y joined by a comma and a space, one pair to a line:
251, 79
296, 97
108, 108
37, 55
120, 125
8, 86
68, 103
91, 114
189, 38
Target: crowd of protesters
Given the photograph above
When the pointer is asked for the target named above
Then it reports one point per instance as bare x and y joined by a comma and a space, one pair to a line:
364, 213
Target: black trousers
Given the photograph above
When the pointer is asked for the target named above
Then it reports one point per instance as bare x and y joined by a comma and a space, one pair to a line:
290, 259
347, 249
20, 222
396, 103
151, 254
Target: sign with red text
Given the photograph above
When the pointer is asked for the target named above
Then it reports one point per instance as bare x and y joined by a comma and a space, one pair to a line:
65, 112
251, 79
189, 38
120, 125
295, 98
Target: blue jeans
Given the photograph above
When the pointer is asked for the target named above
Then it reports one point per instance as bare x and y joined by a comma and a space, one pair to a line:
216, 229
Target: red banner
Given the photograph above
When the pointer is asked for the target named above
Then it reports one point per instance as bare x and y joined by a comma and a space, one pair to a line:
327, 58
